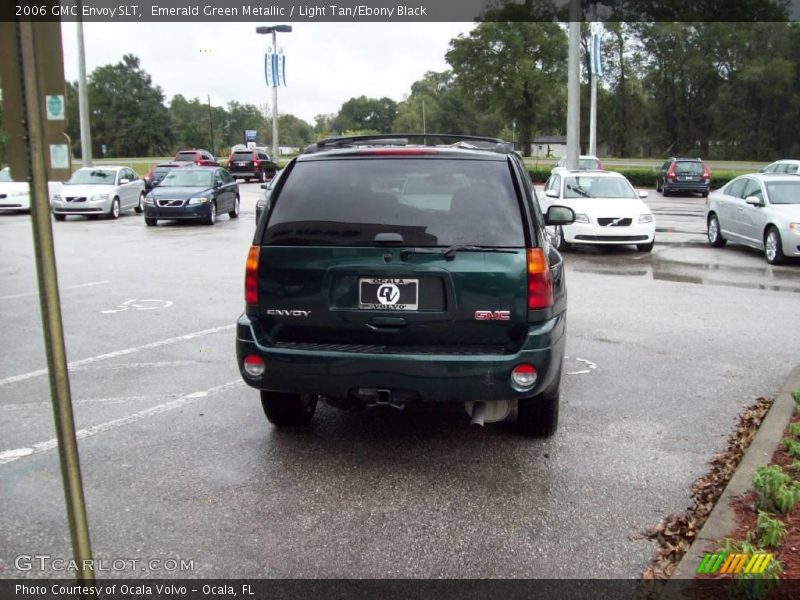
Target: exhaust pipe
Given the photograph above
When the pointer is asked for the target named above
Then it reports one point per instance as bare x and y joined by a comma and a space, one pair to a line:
478, 412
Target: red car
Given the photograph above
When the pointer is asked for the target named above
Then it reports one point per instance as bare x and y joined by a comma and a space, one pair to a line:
202, 158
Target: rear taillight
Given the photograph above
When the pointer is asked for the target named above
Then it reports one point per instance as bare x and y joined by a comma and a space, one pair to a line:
540, 280
523, 376
251, 276
706, 173
254, 365
671, 172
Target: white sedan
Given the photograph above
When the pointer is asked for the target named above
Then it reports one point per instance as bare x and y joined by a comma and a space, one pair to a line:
608, 211
16, 195
101, 190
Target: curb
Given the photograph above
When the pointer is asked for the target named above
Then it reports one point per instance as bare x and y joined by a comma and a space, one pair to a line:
722, 521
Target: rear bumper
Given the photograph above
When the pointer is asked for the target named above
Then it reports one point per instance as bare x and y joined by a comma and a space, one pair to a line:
687, 186
431, 377
243, 174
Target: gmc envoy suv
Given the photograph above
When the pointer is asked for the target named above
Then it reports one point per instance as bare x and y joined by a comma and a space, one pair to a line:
406, 268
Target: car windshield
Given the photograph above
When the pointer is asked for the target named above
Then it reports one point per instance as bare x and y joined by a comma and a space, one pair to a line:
784, 192
587, 163
588, 186
5, 175
428, 202
689, 167
159, 172
186, 156
187, 178
242, 156
93, 177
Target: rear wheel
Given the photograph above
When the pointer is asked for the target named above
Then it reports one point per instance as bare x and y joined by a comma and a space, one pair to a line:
235, 212
646, 247
773, 250
714, 232
538, 416
140, 207
59, 217
262, 177
288, 409
561, 244
664, 191
658, 185
150, 222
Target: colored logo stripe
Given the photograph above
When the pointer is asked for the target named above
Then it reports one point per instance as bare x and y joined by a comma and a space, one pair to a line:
734, 563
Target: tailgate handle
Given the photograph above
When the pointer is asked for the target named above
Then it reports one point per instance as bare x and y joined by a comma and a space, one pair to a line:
386, 323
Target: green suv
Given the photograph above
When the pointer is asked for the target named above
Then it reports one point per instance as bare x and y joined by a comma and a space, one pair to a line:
399, 269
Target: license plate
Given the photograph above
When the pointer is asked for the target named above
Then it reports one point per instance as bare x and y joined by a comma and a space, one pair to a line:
688, 178
388, 294
240, 164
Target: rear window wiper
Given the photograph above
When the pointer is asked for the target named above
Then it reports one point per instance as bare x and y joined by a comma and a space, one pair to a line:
450, 252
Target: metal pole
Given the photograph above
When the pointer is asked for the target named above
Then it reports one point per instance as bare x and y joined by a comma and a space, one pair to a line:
274, 103
593, 104
83, 96
574, 87
211, 125
52, 325
424, 130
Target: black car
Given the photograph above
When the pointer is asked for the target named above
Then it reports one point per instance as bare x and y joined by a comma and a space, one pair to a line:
684, 175
392, 270
262, 204
252, 164
157, 173
199, 193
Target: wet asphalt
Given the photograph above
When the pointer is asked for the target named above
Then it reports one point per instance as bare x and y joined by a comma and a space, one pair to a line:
663, 351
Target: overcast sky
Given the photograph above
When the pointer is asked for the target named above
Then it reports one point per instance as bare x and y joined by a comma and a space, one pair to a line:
326, 64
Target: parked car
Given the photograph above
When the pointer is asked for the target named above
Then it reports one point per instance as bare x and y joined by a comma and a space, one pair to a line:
262, 204
202, 158
103, 190
15, 195
608, 210
683, 175
585, 161
389, 272
198, 193
759, 210
782, 166
252, 164
157, 173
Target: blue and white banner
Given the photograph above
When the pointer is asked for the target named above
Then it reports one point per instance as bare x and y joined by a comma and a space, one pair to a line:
596, 49
275, 67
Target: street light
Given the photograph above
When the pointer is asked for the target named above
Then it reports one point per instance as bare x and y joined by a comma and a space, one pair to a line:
274, 29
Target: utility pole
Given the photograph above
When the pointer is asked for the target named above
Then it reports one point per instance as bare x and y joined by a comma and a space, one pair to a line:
593, 75
423, 116
211, 125
574, 87
274, 30
83, 95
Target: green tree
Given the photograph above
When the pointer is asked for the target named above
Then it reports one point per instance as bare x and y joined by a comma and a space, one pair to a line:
128, 112
516, 69
364, 113
189, 123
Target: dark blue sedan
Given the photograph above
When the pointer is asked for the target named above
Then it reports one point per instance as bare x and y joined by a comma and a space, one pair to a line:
199, 193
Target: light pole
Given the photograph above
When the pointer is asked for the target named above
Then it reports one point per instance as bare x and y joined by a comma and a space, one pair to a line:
83, 98
574, 87
274, 29
593, 74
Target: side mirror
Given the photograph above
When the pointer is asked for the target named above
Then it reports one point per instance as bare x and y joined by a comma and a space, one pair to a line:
642, 194
124, 180
754, 201
551, 194
559, 215
265, 186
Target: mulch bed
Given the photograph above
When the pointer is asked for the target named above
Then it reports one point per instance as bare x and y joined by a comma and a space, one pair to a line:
677, 532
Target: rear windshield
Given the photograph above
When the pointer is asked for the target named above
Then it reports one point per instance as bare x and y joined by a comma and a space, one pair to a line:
242, 156
588, 186
161, 171
588, 163
784, 192
689, 167
188, 178
429, 202
186, 156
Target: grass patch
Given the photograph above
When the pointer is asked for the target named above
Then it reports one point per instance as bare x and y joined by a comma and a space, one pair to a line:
776, 490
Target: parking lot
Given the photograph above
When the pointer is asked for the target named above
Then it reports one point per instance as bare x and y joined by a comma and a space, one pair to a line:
663, 351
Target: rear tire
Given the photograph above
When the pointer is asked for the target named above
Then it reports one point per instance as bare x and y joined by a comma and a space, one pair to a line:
538, 416
288, 410
262, 177
664, 191
714, 232
59, 217
235, 212
658, 185
646, 247
140, 207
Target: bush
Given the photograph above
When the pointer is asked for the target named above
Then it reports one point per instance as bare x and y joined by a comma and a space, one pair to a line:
771, 532
775, 489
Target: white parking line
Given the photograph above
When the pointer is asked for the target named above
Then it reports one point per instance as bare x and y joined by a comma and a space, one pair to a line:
93, 359
63, 289
8, 456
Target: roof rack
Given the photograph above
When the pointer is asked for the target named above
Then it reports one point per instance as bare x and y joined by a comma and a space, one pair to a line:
402, 139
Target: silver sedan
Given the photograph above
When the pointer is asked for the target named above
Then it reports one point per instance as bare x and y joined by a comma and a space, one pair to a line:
102, 190
759, 210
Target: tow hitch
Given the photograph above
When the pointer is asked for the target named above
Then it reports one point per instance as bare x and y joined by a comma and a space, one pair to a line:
379, 397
